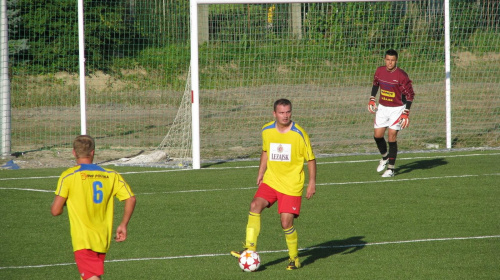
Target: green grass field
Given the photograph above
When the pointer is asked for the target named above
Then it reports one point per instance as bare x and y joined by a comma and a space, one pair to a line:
439, 218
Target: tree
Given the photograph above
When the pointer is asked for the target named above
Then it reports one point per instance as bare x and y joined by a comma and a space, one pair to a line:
19, 45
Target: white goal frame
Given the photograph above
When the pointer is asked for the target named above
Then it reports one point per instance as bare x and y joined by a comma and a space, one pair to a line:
195, 81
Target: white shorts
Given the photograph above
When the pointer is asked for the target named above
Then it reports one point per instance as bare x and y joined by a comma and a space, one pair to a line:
388, 117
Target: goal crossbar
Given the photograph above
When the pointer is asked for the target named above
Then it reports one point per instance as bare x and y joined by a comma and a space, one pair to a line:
289, 1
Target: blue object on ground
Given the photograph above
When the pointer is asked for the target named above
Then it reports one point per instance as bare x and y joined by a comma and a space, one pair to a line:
10, 165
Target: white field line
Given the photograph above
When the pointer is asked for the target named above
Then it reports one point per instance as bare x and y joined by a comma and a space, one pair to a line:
318, 184
412, 158
246, 188
330, 184
409, 179
28, 178
370, 160
26, 189
256, 166
268, 252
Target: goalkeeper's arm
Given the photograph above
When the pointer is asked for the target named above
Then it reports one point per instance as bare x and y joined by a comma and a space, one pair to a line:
374, 91
408, 105
372, 105
404, 120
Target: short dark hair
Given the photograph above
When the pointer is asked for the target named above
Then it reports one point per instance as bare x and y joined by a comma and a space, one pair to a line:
392, 52
282, 101
83, 146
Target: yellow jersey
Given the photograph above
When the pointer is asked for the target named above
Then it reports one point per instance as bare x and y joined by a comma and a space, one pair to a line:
286, 154
89, 191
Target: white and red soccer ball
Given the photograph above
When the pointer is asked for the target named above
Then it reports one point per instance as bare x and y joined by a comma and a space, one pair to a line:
249, 261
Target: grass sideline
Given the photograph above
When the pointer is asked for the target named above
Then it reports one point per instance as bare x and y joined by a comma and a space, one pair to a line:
437, 219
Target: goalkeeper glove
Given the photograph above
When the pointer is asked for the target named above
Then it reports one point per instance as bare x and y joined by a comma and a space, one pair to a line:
404, 120
372, 106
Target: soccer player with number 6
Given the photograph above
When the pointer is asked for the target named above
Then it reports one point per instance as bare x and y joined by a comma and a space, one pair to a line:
88, 191
393, 111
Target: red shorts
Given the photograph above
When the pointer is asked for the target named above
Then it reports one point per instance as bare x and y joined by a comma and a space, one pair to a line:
89, 263
286, 203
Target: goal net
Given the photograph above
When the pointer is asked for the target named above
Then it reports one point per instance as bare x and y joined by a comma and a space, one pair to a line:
174, 150
322, 56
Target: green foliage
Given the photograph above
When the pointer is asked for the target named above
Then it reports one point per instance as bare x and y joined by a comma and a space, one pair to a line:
162, 22
159, 62
51, 28
44, 34
351, 25
110, 32
52, 33
15, 46
249, 20
475, 18
483, 42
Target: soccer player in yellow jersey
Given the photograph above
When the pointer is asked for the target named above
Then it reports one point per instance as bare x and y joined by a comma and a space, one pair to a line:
88, 191
285, 148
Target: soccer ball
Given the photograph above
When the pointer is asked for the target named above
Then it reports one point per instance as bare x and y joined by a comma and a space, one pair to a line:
249, 261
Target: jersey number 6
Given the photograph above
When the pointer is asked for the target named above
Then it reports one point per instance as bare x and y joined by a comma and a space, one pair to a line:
98, 194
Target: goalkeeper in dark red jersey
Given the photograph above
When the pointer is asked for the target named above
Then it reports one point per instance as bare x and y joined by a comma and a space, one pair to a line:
396, 97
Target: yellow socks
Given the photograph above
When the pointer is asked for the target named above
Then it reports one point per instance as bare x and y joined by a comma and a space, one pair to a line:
253, 230
292, 242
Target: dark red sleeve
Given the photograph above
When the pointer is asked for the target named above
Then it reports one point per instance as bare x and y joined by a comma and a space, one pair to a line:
375, 78
406, 87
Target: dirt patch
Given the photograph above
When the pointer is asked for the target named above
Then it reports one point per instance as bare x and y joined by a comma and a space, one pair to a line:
61, 158
464, 59
100, 81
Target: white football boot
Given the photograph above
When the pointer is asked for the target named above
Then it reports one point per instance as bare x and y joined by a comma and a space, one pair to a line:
382, 164
388, 173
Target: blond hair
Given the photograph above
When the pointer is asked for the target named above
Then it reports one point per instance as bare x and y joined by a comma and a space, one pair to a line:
83, 146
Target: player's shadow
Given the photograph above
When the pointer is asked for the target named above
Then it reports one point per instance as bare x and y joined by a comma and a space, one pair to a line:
421, 164
325, 250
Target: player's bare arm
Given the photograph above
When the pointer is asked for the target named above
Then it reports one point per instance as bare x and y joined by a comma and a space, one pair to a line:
262, 167
57, 205
121, 230
311, 186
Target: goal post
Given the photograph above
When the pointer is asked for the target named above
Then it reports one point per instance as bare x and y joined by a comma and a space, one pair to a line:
195, 87
417, 22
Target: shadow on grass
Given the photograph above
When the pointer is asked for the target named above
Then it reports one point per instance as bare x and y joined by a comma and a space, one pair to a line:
324, 250
421, 164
